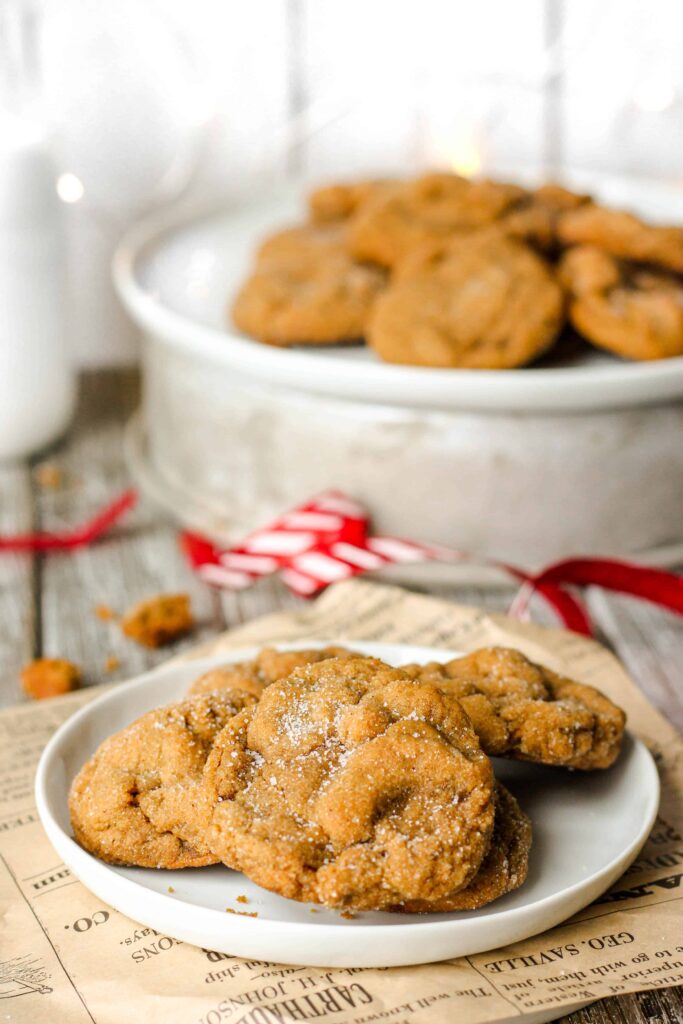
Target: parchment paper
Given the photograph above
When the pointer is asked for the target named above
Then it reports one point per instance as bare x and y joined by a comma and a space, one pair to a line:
66, 957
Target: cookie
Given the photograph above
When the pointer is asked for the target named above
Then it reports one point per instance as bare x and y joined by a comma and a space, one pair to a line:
133, 802
307, 290
623, 235
267, 667
158, 620
239, 675
305, 243
585, 269
526, 711
338, 202
532, 223
49, 677
480, 301
632, 311
391, 225
503, 869
558, 198
352, 786
534, 218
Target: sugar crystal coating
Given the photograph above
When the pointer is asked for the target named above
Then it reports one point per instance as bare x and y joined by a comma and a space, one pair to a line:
526, 711
135, 800
351, 785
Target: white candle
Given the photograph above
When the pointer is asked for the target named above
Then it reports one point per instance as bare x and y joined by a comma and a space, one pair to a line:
37, 383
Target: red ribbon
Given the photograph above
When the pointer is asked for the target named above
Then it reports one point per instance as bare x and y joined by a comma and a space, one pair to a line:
77, 537
662, 588
348, 549
569, 610
304, 570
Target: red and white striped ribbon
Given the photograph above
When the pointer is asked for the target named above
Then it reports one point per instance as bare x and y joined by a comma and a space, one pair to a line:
328, 539
320, 542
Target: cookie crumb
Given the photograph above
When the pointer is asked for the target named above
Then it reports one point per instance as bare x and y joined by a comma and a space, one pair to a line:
158, 620
313, 910
347, 915
171, 889
49, 677
240, 913
241, 899
48, 476
112, 663
104, 612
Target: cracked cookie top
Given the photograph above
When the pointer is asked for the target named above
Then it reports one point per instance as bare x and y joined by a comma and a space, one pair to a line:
353, 786
480, 300
133, 802
267, 667
307, 289
526, 711
503, 869
630, 309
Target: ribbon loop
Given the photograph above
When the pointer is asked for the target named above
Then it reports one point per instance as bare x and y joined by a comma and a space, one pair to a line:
328, 538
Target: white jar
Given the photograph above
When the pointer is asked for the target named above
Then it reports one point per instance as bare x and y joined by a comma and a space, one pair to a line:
37, 382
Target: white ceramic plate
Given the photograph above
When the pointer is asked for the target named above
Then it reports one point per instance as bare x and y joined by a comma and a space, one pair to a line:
177, 273
587, 830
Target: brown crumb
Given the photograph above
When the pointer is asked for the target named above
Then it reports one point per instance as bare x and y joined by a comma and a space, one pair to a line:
49, 677
313, 910
159, 620
171, 889
48, 476
241, 899
240, 913
347, 915
104, 612
112, 663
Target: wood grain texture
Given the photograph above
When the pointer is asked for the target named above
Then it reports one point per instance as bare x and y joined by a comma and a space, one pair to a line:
19, 625
650, 643
47, 604
656, 1007
138, 559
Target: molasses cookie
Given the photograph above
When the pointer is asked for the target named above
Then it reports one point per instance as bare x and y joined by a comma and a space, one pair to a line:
631, 310
526, 711
350, 785
134, 800
480, 301
307, 290
399, 220
503, 869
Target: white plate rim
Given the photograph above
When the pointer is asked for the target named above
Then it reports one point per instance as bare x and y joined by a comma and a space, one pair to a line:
550, 389
237, 927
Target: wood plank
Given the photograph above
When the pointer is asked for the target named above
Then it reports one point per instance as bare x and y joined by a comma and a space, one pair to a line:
19, 624
650, 643
662, 1006
268, 595
138, 559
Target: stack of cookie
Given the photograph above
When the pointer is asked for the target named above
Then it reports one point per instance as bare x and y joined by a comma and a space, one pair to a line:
447, 272
332, 778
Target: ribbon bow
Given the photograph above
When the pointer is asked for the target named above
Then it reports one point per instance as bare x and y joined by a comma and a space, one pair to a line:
328, 539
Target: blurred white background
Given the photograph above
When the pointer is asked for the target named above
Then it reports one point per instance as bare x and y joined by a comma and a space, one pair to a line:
165, 100
369, 83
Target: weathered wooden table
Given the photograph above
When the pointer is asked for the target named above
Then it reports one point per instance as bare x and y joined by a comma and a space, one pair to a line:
47, 603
